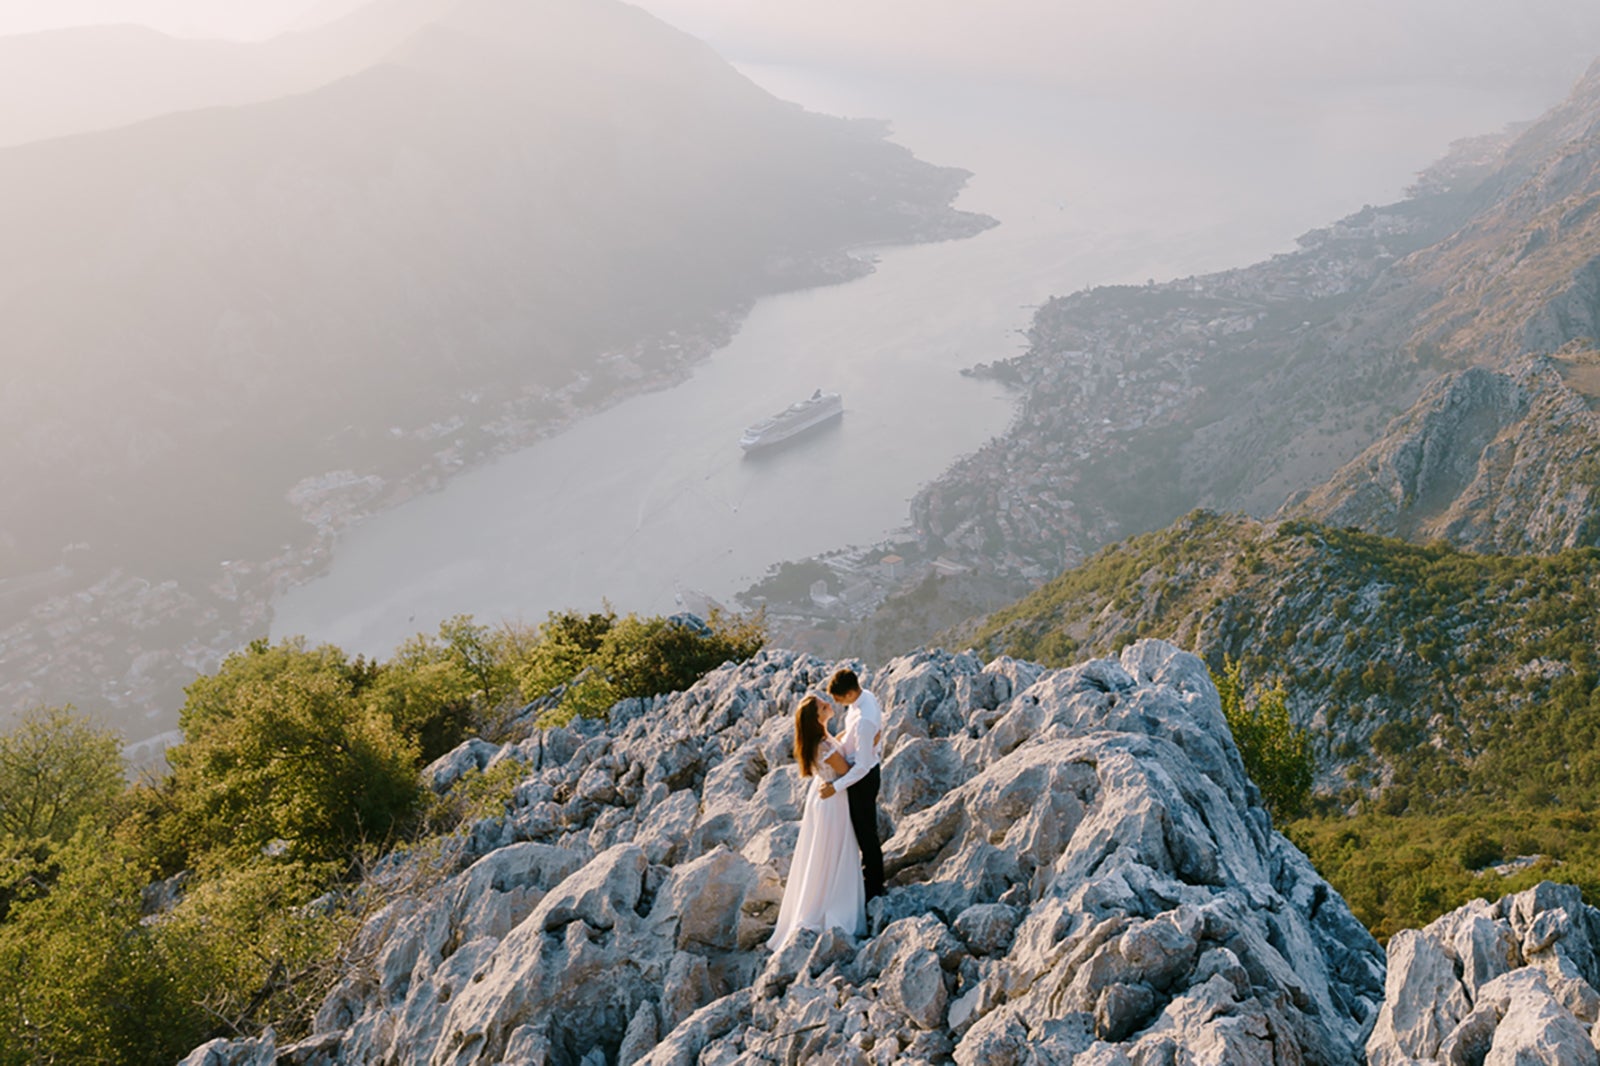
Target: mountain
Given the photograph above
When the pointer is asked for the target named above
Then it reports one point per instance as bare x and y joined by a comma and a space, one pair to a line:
1080, 871
55, 83
1423, 369
233, 330
1382, 644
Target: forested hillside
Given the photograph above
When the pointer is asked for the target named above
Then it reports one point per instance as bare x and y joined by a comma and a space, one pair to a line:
1450, 697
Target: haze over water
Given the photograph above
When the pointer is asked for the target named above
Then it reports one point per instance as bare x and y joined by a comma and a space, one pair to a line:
653, 495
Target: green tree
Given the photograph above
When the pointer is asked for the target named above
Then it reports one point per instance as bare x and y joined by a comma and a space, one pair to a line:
82, 980
1277, 755
439, 690
279, 745
566, 644
597, 659
86, 977
651, 656
56, 769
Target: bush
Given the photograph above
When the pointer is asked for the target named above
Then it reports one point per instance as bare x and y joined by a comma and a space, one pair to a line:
649, 657
83, 981
277, 747
596, 660
440, 690
87, 979
1277, 755
56, 770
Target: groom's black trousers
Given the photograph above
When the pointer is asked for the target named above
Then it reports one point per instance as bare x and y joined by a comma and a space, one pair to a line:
863, 799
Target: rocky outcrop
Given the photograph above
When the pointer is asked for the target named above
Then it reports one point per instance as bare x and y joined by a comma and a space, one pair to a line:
1495, 461
1080, 872
1508, 983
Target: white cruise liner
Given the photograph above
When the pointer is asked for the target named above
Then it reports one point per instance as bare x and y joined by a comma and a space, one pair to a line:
793, 420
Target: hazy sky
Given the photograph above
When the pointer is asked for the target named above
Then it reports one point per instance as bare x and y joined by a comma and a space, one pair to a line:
1127, 45
246, 19
1122, 46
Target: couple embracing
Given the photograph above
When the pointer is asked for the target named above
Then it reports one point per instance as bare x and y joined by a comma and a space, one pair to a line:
838, 861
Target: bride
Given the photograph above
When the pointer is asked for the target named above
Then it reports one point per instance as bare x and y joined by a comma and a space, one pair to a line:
825, 888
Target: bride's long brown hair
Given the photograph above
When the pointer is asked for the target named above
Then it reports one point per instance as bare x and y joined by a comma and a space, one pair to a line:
808, 733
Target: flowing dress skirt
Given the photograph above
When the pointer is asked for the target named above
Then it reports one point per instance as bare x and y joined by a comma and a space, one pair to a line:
825, 889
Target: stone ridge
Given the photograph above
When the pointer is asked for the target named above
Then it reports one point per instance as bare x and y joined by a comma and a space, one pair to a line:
1080, 873
1492, 460
1495, 984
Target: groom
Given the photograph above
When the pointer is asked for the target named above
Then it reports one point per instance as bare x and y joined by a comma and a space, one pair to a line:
863, 734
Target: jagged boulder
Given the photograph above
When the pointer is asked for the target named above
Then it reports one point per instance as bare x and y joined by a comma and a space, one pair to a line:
1080, 873
1508, 983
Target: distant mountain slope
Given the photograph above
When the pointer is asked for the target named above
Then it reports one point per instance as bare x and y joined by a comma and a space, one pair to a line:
61, 82
1504, 453
1497, 460
528, 209
1432, 674
1430, 368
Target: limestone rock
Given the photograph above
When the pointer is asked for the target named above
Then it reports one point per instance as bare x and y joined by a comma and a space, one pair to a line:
1079, 872
1508, 983
258, 1052
447, 769
1485, 458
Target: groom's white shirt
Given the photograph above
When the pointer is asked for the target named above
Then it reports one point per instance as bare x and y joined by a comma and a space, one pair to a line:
863, 728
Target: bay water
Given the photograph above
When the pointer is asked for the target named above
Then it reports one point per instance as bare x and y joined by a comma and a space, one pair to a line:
653, 498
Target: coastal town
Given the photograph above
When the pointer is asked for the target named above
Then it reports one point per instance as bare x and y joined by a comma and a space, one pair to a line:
1106, 370
122, 645
1108, 374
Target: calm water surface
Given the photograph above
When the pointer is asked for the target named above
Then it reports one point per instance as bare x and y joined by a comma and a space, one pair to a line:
653, 496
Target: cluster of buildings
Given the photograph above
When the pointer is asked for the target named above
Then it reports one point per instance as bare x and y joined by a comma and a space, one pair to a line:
123, 646
1111, 368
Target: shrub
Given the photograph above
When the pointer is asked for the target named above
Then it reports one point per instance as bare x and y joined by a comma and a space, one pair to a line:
276, 747
56, 769
1277, 754
81, 980
596, 660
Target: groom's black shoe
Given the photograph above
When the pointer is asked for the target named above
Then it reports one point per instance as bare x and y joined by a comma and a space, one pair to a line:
863, 800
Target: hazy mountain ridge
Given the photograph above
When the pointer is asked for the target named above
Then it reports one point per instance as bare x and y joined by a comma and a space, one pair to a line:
56, 83
1327, 382
347, 294
1495, 460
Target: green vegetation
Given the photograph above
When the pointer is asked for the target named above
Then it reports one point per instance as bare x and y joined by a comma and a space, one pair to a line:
1402, 871
1276, 752
56, 770
595, 660
1445, 688
298, 767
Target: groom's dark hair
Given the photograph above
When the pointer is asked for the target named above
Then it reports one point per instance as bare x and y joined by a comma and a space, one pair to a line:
843, 682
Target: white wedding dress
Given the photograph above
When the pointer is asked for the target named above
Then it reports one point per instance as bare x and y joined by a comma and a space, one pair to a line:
825, 888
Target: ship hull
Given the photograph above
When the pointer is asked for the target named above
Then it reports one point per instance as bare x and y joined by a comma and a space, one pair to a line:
790, 424
769, 440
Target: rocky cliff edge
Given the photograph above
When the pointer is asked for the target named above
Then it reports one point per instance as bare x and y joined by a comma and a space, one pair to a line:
1080, 873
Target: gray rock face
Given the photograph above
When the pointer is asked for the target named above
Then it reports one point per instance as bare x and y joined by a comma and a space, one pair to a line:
1488, 459
1510, 983
1080, 873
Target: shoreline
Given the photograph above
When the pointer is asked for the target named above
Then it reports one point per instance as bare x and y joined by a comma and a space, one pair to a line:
169, 634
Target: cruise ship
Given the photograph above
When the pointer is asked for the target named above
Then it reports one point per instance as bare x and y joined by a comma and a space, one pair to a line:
793, 420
